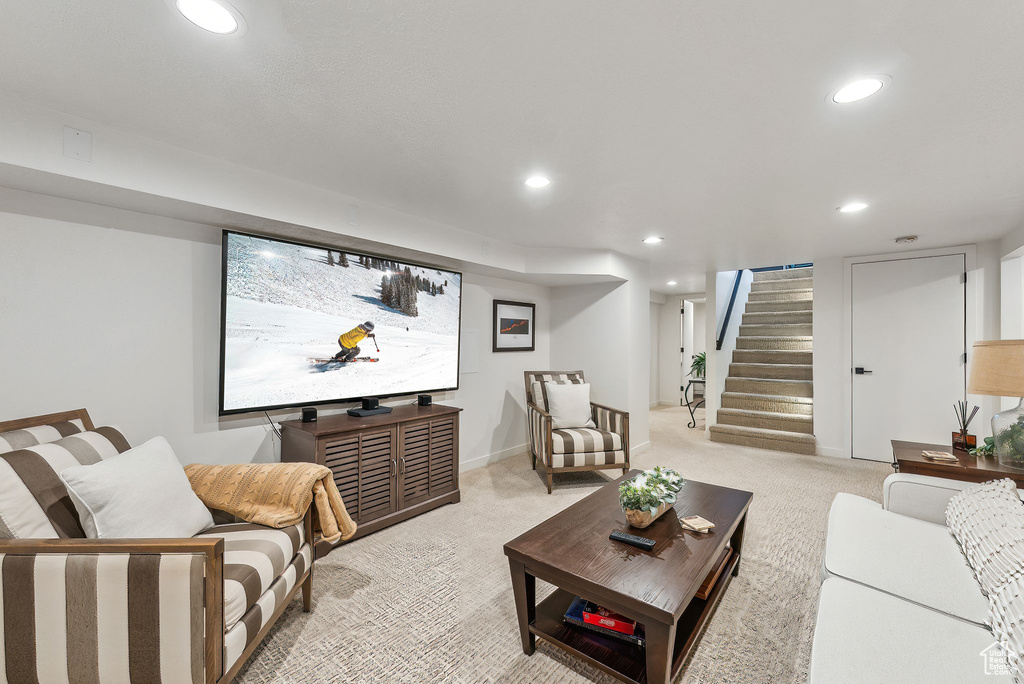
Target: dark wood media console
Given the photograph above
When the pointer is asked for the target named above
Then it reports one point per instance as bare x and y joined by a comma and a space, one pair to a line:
388, 467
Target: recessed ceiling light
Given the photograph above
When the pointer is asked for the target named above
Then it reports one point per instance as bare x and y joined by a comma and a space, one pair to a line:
852, 207
653, 240
538, 182
671, 282
211, 15
858, 90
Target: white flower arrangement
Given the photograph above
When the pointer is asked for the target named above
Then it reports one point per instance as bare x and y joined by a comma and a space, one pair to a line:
650, 489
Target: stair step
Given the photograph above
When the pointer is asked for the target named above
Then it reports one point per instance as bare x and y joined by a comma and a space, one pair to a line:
785, 388
776, 330
778, 371
755, 306
794, 442
804, 294
767, 420
772, 356
785, 284
798, 343
776, 317
767, 402
784, 274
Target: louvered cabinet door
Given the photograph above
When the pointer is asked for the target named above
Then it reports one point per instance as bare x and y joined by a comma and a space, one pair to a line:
377, 475
342, 457
414, 464
444, 436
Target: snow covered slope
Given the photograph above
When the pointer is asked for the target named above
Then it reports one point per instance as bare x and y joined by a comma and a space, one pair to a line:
286, 304
283, 273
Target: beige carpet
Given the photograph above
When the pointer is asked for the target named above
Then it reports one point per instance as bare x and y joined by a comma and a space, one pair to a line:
430, 600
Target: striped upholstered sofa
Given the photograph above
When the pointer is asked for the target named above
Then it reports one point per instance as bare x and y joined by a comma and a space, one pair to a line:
567, 450
144, 611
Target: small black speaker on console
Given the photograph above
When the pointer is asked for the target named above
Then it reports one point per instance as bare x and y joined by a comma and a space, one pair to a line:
424, 400
371, 407
309, 415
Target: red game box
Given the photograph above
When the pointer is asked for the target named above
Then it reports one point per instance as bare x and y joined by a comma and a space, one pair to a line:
602, 617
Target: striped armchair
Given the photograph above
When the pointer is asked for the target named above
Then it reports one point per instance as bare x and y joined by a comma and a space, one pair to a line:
173, 611
567, 450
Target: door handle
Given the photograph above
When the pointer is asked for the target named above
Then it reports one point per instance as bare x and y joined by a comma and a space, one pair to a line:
860, 371
394, 467
401, 465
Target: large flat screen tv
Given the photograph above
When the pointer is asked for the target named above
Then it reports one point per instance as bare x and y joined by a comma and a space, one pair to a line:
303, 324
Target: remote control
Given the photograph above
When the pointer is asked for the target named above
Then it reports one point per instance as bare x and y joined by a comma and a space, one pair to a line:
633, 540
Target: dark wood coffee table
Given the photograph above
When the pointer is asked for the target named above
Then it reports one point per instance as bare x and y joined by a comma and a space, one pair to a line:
672, 590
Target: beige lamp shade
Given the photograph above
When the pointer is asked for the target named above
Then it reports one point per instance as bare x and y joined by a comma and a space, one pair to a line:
998, 368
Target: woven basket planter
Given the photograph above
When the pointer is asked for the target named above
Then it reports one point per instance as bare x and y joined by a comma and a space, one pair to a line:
641, 519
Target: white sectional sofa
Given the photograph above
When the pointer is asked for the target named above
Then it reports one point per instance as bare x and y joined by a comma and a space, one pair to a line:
898, 601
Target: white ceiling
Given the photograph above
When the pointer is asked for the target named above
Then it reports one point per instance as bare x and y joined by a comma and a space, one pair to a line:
703, 121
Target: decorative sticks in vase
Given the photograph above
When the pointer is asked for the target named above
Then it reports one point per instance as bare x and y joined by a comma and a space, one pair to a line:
962, 441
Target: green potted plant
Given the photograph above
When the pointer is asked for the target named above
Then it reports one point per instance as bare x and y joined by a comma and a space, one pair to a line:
987, 448
698, 365
649, 494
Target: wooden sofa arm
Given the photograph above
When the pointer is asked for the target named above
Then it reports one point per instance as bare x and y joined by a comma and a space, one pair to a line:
612, 420
169, 586
539, 421
595, 405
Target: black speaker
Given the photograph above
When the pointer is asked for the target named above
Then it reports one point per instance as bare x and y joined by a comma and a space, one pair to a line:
371, 407
424, 400
309, 415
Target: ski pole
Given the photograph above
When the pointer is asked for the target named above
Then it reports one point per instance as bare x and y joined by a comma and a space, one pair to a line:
374, 338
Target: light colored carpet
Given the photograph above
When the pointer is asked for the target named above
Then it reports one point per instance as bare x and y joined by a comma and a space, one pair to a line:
430, 600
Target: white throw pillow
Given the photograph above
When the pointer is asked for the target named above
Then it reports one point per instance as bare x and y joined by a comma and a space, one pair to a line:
141, 493
987, 520
569, 404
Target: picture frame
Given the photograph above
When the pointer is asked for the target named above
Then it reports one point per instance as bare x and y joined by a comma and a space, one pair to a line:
512, 326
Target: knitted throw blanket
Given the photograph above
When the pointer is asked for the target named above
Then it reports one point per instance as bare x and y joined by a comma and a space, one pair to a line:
274, 494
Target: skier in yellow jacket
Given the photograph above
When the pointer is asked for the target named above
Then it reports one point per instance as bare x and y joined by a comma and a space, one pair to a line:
349, 341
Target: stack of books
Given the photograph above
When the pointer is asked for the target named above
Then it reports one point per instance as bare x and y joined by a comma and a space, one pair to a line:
592, 617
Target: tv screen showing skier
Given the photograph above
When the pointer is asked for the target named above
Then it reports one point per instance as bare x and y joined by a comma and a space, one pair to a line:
307, 325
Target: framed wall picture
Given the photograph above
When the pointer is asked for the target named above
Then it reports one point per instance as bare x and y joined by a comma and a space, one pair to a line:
513, 328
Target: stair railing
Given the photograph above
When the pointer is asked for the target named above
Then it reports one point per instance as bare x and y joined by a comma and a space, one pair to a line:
728, 311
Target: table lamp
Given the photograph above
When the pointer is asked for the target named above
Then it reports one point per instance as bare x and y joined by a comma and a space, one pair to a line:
998, 369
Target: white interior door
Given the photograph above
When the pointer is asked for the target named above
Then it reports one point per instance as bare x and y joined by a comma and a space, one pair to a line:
908, 351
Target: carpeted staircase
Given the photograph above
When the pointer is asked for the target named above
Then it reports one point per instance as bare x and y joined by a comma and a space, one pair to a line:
767, 400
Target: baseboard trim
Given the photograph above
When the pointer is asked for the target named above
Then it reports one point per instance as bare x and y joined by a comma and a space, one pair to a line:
639, 448
487, 459
830, 451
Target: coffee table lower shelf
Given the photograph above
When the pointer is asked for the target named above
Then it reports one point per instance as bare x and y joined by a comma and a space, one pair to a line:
622, 660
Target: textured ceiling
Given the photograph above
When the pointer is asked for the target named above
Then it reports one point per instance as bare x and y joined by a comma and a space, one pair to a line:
703, 121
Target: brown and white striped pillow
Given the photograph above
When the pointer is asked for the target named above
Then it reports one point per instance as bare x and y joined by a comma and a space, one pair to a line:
34, 504
41, 434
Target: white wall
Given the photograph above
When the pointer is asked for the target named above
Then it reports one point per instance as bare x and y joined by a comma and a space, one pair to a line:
669, 370
126, 323
829, 368
493, 397
603, 329
654, 389
699, 327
